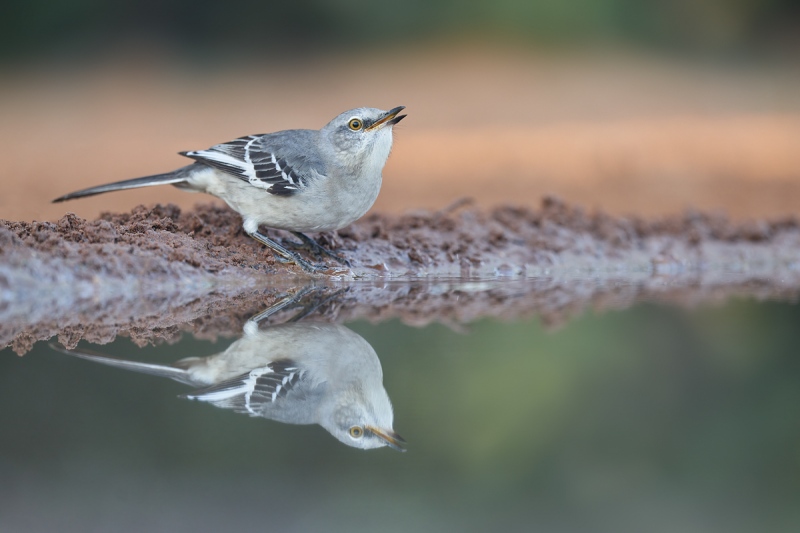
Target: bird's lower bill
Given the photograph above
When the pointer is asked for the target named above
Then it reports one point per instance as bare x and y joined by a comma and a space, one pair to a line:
389, 118
392, 439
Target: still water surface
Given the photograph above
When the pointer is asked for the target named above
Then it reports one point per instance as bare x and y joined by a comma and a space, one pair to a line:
652, 418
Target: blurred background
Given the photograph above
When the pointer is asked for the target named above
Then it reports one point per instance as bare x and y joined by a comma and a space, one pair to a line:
651, 419
648, 419
630, 106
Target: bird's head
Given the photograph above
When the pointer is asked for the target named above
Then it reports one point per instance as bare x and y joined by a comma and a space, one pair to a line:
363, 422
362, 137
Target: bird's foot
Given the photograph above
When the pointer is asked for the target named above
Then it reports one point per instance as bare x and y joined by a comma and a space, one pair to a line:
316, 248
287, 256
309, 299
299, 261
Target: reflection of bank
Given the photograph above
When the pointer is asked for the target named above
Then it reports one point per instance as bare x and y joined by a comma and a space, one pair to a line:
296, 373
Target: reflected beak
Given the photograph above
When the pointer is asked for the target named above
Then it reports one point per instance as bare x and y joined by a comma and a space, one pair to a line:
392, 439
389, 118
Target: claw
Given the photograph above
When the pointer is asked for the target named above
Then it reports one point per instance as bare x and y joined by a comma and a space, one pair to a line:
316, 248
285, 256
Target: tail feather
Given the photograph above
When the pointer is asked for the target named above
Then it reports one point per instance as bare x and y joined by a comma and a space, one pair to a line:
165, 371
158, 179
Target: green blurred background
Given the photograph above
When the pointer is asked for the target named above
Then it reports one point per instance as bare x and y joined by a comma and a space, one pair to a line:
259, 28
650, 419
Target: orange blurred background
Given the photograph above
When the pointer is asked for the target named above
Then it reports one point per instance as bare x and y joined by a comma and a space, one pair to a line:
616, 124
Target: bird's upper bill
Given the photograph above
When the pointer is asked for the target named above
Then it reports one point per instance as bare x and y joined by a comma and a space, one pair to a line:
389, 118
392, 439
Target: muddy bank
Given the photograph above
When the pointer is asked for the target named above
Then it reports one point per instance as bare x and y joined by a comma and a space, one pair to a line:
153, 273
459, 242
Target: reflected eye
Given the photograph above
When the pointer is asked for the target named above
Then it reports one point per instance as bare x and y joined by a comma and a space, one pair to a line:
355, 124
356, 432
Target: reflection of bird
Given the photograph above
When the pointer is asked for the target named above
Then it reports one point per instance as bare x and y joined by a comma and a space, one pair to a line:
295, 180
294, 373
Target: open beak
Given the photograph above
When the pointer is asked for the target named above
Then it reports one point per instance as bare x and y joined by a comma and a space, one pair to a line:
389, 118
392, 439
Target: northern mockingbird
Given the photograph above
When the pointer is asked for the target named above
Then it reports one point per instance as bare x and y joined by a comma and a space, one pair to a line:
294, 180
297, 373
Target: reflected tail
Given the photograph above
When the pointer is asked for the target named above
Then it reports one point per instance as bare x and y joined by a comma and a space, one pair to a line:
164, 371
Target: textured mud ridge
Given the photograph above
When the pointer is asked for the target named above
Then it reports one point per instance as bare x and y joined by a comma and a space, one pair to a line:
455, 304
153, 273
459, 242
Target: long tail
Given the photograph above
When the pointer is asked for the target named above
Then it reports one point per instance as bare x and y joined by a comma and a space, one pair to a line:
164, 371
174, 177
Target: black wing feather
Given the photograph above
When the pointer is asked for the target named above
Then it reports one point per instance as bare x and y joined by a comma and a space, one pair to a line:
249, 392
248, 159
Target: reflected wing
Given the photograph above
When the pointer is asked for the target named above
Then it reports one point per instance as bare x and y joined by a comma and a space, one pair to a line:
251, 159
254, 391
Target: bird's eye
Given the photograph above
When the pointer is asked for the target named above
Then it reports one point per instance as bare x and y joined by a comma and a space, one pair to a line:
356, 432
355, 124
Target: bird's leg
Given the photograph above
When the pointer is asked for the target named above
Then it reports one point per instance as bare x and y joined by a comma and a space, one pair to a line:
318, 249
284, 303
317, 300
286, 254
